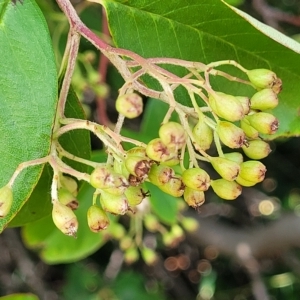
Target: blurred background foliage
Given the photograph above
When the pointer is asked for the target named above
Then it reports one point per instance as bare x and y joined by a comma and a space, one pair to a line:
212, 263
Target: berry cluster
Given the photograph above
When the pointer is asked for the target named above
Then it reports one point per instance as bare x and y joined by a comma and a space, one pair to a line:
175, 160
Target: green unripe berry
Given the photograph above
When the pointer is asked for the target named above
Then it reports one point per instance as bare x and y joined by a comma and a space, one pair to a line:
64, 219
231, 135
189, 224
6, 199
234, 156
97, 218
193, 197
168, 239
264, 99
227, 168
158, 151
228, 190
226, 106
137, 166
177, 232
263, 78
117, 230
149, 256
66, 197
126, 242
135, 195
196, 179
173, 187
130, 105
173, 135
257, 149
160, 174
104, 178
115, 204
203, 134
253, 170
151, 222
131, 255
264, 122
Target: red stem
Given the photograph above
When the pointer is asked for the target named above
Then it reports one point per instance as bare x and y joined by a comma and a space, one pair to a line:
102, 69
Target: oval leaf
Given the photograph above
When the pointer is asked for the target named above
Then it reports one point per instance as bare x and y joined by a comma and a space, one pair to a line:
28, 95
76, 142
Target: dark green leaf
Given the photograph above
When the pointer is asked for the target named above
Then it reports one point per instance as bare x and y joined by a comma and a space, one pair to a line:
28, 95
208, 31
78, 143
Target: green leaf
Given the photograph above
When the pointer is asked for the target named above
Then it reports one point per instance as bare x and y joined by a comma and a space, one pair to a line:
76, 142
55, 247
165, 206
20, 297
28, 95
208, 31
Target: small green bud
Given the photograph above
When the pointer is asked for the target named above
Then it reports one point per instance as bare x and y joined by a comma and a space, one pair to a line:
264, 78
160, 174
264, 99
131, 255
203, 134
189, 224
235, 156
130, 105
64, 219
97, 218
168, 239
196, 179
249, 130
135, 195
193, 197
149, 256
228, 190
125, 242
253, 170
226, 106
173, 135
137, 166
70, 184
158, 151
245, 101
231, 135
173, 187
227, 168
177, 232
6, 199
115, 204
117, 230
264, 122
151, 222
66, 197
257, 149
